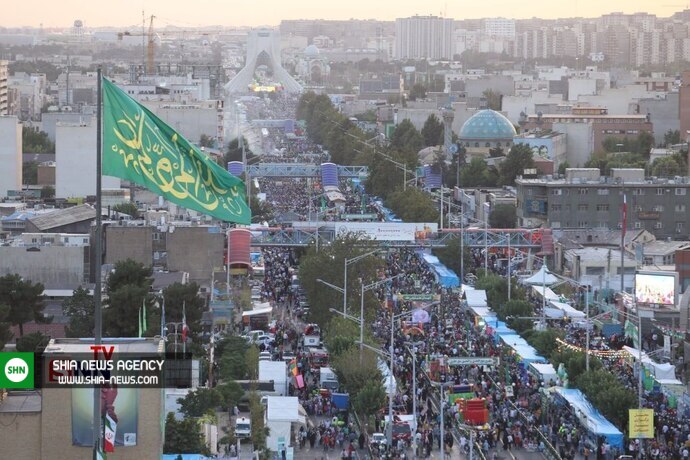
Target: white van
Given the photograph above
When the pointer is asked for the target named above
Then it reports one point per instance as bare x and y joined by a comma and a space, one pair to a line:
243, 428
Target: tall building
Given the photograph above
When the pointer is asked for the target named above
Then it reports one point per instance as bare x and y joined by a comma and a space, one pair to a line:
499, 27
586, 199
4, 75
424, 37
75, 158
10, 154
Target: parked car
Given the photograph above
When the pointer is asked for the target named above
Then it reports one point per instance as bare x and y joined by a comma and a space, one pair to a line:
378, 440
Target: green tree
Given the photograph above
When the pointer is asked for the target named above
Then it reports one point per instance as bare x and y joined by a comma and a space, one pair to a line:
48, 191
544, 341
413, 205
178, 295
129, 272
518, 159
200, 402
182, 437
671, 137
121, 317
387, 171
449, 256
370, 399
562, 167
232, 363
667, 167
432, 131
259, 431
496, 288
79, 308
327, 264
418, 91
475, 174
206, 141
406, 137
354, 375
34, 342
231, 392
251, 358
34, 141
5, 332
30, 173
234, 151
25, 300
494, 99
503, 216
128, 208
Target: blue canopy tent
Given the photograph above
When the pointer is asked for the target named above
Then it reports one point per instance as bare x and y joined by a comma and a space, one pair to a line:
591, 418
527, 354
444, 276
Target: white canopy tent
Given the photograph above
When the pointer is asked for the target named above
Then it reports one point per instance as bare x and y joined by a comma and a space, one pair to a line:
541, 278
663, 373
567, 310
544, 291
476, 298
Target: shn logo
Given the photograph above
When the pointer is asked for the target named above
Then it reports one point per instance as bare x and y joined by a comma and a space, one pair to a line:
17, 370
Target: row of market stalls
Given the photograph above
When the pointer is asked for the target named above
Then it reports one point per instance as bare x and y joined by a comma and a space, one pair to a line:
444, 276
530, 361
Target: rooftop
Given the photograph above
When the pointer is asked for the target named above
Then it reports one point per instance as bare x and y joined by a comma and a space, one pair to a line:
124, 345
21, 401
660, 247
62, 217
604, 180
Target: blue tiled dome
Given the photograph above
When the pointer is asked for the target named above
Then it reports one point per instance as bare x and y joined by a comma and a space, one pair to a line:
487, 124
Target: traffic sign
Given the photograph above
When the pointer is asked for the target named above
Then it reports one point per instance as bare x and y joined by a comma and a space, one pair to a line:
453, 148
473, 360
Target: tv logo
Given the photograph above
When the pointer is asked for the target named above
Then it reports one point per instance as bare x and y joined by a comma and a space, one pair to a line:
17, 370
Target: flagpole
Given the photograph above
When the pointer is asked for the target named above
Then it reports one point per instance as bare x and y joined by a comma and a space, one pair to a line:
624, 226
98, 313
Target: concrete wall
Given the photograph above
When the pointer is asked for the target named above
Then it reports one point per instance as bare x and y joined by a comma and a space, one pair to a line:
191, 122
10, 154
46, 175
75, 158
129, 243
513, 105
196, 251
497, 83
663, 113
20, 435
579, 142
53, 266
50, 120
417, 116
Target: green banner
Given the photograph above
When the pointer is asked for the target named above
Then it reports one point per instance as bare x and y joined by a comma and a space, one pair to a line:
419, 297
140, 147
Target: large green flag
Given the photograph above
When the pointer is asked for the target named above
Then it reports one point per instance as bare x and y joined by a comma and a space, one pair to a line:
140, 147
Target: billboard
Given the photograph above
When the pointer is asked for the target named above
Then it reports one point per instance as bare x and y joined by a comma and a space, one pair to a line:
389, 231
655, 288
122, 404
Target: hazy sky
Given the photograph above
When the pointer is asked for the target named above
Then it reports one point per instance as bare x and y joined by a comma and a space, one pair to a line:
192, 13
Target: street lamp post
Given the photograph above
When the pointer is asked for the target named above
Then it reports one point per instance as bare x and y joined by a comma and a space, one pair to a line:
347, 263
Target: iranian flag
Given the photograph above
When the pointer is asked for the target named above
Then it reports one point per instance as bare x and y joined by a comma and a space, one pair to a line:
185, 329
110, 429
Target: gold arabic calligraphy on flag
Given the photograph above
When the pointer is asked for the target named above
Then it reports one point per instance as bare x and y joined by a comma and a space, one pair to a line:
149, 152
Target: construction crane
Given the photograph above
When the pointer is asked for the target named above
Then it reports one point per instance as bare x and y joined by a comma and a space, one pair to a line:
150, 46
150, 37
